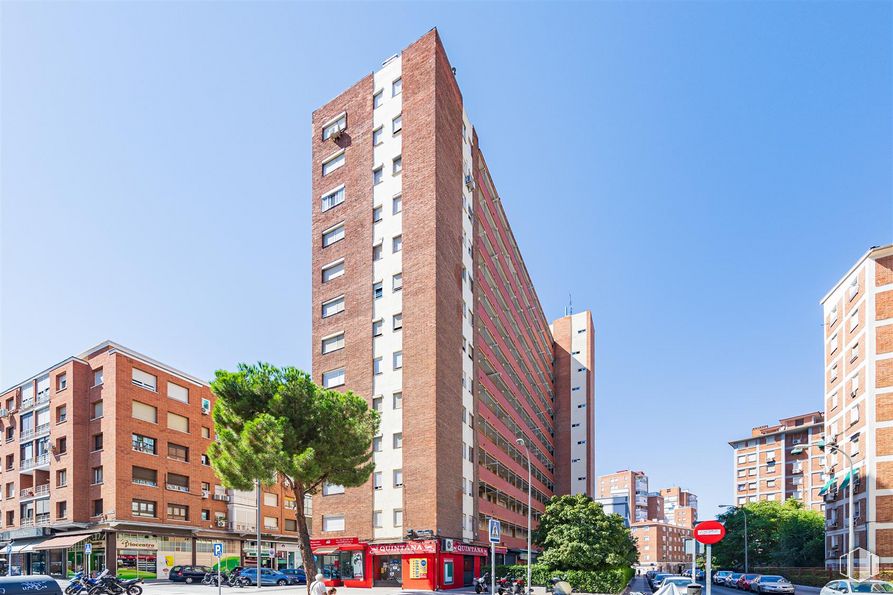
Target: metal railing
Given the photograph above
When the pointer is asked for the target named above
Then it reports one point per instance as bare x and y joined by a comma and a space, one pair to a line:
35, 462
242, 527
42, 429
35, 492
177, 488
39, 520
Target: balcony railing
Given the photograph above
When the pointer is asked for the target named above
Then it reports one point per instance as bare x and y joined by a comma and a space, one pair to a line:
27, 404
242, 527
221, 497
25, 435
35, 462
39, 520
43, 397
35, 492
42, 429
177, 488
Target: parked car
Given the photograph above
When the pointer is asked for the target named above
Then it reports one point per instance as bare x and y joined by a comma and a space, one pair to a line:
732, 579
744, 581
851, 586
297, 575
771, 583
268, 576
188, 574
656, 579
720, 576
680, 581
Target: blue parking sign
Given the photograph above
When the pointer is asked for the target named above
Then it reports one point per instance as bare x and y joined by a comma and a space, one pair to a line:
218, 550
88, 548
495, 530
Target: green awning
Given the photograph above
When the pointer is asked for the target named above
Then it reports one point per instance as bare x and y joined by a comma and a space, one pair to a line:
846, 478
828, 484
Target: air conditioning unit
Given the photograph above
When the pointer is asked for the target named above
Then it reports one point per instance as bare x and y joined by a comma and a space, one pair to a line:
206, 411
469, 181
221, 522
205, 494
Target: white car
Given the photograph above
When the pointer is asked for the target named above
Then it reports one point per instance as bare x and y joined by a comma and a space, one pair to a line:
680, 581
851, 586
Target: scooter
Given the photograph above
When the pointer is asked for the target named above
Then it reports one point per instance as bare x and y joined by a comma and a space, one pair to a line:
482, 583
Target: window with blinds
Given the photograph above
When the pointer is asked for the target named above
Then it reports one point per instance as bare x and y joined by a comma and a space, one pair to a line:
144, 379
177, 392
178, 422
145, 412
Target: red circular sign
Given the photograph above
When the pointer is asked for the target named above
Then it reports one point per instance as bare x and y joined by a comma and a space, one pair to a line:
709, 532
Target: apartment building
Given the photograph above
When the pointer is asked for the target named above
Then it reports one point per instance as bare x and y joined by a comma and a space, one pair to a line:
107, 448
423, 305
766, 468
858, 339
680, 506
661, 546
634, 486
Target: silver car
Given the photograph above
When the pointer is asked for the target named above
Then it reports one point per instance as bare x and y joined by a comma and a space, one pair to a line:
771, 583
851, 586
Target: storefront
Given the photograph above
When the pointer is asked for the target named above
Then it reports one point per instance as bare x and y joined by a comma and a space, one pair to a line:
343, 561
426, 565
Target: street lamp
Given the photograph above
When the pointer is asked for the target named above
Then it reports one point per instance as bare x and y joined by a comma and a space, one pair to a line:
833, 447
529, 511
744, 512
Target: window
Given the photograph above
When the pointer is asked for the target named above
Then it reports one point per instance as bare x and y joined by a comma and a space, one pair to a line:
376, 519
376, 136
333, 163
144, 508
376, 403
398, 478
376, 214
144, 412
376, 252
377, 291
291, 525
177, 392
144, 476
177, 422
833, 372
97, 441
206, 460
61, 381
854, 353
332, 235
854, 386
398, 321
397, 244
97, 507
397, 87
61, 510
61, 414
333, 378
332, 271
61, 478
143, 444
333, 306
854, 320
397, 124
832, 347
206, 514
398, 440
97, 475
377, 328
853, 289
397, 165
144, 379
397, 282
377, 99
97, 377
333, 343
398, 400
10, 434
376, 366
333, 522
61, 445
97, 410
376, 445
271, 522
398, 360
398, 517
178, 512
397, 204
339, 124
206, 432
332, 199
741, 459
177, 452
377, 175
854, 414
331, 489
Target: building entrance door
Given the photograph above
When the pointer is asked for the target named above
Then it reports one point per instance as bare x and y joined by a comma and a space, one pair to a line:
388, 571
467, 570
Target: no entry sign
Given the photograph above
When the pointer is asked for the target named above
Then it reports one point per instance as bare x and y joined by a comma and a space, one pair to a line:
709, 532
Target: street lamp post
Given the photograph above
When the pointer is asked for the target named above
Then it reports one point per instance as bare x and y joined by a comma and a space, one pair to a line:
744, 512
529, 510
851, 533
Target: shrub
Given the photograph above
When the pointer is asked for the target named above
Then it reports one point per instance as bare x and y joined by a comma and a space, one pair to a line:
613, 580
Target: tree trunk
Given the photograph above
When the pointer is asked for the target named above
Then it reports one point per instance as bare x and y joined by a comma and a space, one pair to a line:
304, 536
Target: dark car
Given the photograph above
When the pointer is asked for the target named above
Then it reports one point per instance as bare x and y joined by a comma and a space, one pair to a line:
297, 575
188, 574
744, 581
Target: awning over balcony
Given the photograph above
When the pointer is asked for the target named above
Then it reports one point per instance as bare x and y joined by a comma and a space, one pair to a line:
854, 475
828, 485
61, 541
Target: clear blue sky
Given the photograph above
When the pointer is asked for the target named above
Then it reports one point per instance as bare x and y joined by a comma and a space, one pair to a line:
696, 173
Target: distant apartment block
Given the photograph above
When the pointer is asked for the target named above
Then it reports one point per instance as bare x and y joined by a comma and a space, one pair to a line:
661, 546
858, 372
766, 469
680, 506
633, 485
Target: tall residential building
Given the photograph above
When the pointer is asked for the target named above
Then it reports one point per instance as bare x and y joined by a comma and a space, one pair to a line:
422, 304
858, 340
661, 546
633, 485
108, 448
766, 469
680, 507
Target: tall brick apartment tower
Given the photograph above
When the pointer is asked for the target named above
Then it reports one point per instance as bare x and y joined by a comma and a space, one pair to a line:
423, 305
858, 339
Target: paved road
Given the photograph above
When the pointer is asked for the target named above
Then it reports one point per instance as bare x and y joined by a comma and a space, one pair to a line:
717, 590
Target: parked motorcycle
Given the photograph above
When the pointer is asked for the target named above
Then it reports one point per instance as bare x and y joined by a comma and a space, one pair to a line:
81, 583
482, 583
518, 586
112, 585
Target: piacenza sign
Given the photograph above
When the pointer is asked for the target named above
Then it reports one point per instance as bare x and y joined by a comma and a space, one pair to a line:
408, 547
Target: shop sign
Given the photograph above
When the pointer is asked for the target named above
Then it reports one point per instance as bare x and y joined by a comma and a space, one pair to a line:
469, 550
333, 542
408, 547
127, 541
418, 567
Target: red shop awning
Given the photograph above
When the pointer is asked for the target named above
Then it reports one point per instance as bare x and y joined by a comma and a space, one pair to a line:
325, 550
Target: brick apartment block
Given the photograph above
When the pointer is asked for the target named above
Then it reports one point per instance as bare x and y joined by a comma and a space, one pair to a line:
108, 448
422, 304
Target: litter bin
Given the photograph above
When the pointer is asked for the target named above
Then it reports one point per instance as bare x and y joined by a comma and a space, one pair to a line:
29, 584
693, 589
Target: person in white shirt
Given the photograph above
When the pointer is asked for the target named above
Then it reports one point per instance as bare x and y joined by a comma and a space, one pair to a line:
318, 587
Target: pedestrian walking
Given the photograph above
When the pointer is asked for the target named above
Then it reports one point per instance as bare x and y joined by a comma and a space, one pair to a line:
318, 587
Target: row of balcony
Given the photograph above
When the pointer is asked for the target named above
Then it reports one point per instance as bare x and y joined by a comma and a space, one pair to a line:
42, 397
36, 491
38, 461
39, 520
37, 432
